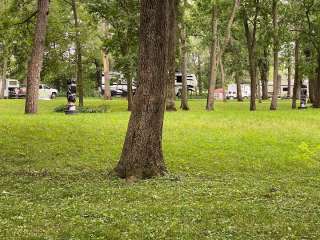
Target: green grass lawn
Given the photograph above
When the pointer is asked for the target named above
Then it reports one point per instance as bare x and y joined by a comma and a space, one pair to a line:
234, 174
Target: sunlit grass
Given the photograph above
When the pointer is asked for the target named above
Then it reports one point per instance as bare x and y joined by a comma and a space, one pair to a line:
234, 174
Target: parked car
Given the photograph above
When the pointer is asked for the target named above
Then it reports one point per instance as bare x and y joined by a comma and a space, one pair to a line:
45, 92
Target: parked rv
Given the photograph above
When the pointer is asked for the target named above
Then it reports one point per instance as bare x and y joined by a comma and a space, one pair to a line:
118, 85
232, 91
192, 84
13, 89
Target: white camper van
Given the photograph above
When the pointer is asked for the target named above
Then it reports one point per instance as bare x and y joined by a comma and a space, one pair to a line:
192, 83
232, 91
11, 88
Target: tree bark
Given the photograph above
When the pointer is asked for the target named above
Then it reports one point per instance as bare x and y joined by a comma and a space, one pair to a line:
184, 92
78, 53
239, 90
36, 61
296, 74
274, 102
172, 44
142, 155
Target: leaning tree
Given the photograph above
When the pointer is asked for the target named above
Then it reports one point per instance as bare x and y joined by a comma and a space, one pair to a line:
35, 64
142, 155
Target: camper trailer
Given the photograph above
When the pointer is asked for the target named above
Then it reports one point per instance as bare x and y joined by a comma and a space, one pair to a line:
232, 91
192, 83
118, 84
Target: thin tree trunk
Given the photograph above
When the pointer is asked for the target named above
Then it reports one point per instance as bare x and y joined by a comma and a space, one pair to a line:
78, 53
127, 75
36, 61
223, 79
98, 73
213, 60
3, 76
106, 71
215, 54
296, 74
264, 73
239, 90
274, 102
172, 44
251, 44
199, 74
184, 92
312, 78
142, 155
289, 79
316, 89
259, 91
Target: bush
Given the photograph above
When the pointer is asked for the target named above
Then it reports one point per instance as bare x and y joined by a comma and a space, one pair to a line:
85, 109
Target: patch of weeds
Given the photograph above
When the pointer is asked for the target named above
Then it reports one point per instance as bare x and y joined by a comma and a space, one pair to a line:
85, 109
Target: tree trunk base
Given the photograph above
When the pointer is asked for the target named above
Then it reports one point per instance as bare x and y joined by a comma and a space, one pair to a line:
171, 109
140, 172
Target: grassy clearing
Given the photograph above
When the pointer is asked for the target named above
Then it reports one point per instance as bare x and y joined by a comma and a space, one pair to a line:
233, 175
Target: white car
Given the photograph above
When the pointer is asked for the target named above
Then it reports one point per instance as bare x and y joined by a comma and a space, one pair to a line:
46, 92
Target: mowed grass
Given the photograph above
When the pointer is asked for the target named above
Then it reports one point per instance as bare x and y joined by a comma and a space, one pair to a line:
233, 174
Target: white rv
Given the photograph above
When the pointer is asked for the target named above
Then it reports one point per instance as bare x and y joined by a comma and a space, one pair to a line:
119, 86
232, 91
11, 87
192, 83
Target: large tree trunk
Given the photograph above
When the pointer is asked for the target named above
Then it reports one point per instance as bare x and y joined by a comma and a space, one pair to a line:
296, 74
213, 59
172, 44
142, 155
274, 102
239, 90
78, 53
316, 90
184, 92
36, 61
